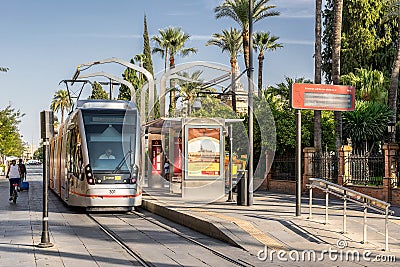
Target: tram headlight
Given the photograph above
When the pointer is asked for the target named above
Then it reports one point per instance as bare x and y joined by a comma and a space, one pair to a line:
89, 174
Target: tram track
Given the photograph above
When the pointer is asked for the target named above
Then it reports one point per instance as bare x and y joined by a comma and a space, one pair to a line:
125, 220
121, 243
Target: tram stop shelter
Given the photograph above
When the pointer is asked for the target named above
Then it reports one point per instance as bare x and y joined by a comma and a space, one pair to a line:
195, 150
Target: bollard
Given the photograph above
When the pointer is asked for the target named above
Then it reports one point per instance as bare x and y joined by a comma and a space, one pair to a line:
365, 226
344, 213
310, 204
242, 188
326, 205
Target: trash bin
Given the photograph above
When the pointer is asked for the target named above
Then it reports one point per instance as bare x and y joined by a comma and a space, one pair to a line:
242, 188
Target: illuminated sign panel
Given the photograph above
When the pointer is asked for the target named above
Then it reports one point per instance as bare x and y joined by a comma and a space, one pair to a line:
322, 97
203, 152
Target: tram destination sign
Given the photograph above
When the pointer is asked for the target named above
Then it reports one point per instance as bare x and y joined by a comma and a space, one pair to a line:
322, 97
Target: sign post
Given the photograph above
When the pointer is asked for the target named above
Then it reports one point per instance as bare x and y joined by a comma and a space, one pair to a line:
316, 97
47, 131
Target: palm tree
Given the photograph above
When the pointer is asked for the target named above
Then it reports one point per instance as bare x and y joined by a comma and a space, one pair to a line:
169, 43
177, 46
367, 124
229, 41
238, 10
317, 75
336, 45
141, 58
189, 88
61, 101
263, 41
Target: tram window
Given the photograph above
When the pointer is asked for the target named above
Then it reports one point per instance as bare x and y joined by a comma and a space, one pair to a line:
111, 129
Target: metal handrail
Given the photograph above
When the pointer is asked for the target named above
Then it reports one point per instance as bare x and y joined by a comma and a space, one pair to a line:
367, 202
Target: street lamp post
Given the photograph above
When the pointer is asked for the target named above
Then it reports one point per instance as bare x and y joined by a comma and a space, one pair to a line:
391, 129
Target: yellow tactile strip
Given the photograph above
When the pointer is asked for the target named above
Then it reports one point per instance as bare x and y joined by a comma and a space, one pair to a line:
263, 238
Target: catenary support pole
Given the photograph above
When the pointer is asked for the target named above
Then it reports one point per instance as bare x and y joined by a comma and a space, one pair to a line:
250, 172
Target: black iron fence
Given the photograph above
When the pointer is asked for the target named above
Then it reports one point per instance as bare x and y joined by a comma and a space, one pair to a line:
365, 169
283, 168
326, 166
358, 169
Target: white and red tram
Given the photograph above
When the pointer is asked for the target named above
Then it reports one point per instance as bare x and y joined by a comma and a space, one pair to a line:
78, 173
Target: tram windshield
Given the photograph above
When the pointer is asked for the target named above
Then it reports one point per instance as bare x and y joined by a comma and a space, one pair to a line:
110, 135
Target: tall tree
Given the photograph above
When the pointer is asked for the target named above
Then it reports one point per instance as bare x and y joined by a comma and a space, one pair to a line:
229, 41
371, 85
368, 40
141, 58
317, 75
263, 41
394, 78
10, 139
136, 80
171, 42
162, 44
61, 102
336, 46
98, 92
148, 62
189, 88
238, 10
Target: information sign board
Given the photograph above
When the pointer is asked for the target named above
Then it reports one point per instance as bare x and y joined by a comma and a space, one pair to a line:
322, 97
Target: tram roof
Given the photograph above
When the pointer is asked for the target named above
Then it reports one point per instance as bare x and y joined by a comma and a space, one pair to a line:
105, 104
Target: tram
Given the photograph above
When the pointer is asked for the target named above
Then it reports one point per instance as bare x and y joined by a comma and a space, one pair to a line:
81, 174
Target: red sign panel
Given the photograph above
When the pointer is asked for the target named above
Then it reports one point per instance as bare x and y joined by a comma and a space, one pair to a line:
322, 97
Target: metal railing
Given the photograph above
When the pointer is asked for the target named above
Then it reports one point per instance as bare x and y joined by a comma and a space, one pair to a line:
367, 202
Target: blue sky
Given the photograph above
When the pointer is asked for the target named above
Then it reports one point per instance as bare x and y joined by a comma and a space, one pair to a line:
43, 41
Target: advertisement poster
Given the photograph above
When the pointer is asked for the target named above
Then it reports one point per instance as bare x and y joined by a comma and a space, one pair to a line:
204, 152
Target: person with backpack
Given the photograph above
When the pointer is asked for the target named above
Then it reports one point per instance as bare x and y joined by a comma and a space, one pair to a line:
13, 175
22, 168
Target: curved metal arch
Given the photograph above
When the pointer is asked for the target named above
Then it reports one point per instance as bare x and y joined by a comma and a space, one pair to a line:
145, 72
163, 80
